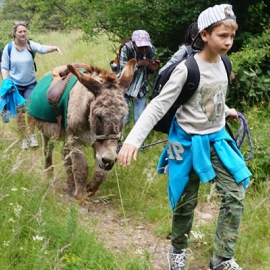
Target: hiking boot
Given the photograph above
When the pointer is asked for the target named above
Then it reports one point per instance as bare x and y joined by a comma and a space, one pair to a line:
226, 265
33, 140
24, 144
178, 261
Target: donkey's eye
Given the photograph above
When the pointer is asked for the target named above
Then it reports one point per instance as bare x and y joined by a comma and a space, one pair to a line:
99, 117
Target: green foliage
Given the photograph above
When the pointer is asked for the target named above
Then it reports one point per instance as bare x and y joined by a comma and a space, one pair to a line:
37, 15
6, 33
42, 227
252, 69
260, 164
166, 21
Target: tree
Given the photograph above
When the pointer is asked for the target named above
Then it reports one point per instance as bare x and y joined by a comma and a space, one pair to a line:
165, 20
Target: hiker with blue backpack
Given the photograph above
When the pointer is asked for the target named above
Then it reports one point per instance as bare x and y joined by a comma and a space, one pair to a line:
18, 66
138, 47
199, 148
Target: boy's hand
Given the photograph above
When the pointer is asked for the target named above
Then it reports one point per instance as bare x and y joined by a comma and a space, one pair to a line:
233, 115
126, 153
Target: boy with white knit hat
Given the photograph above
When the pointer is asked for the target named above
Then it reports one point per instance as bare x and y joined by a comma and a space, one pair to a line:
199, 148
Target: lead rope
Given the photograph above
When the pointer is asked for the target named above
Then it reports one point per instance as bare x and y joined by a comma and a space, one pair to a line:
143, 146
242, 133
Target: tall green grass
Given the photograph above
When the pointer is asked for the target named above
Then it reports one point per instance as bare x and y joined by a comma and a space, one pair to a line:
42, 227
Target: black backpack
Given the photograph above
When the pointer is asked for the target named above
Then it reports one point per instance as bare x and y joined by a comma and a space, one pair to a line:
189, 88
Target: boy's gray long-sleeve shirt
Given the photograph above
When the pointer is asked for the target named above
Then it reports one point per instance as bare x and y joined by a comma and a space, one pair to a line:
204, 113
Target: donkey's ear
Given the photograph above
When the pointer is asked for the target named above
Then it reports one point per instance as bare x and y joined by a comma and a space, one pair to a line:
127, 73
85, 78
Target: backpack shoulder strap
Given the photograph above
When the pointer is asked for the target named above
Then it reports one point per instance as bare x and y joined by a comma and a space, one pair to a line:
129, 54
129, 49
192, 82
9, 48
9, 52
32, 53
228, 66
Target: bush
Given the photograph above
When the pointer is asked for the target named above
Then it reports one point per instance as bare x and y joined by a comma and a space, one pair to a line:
251, 66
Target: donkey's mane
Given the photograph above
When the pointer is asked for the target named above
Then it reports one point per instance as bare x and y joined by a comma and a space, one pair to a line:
106, 75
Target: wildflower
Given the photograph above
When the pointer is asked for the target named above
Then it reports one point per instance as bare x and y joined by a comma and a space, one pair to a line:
11, 220
6, 243
139, 251
38, 238
17, 210
197, 235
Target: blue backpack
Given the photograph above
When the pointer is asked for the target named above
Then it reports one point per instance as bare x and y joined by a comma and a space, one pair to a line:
31, 51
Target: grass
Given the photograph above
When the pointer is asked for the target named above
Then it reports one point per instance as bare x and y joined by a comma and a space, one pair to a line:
42, 228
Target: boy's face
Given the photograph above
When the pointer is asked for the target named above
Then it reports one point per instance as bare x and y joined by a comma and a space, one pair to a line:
220, 40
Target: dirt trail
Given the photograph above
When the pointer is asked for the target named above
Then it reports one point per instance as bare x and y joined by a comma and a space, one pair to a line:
123, 235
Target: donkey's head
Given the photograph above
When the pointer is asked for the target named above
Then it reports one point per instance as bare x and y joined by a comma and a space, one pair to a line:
108, 108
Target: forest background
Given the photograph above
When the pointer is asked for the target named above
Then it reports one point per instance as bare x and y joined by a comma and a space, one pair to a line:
42, 228
165, 20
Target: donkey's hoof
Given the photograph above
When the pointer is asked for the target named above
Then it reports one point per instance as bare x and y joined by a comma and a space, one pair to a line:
73, 192
79, 196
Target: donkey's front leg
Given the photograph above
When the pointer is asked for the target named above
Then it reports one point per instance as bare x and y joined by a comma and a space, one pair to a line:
68, 168
79, 167
48, 146
99, 177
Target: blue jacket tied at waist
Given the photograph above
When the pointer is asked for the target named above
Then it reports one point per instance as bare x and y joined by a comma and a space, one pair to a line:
10, 98
184, 151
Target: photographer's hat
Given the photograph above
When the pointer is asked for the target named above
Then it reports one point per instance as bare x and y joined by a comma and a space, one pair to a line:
141, 38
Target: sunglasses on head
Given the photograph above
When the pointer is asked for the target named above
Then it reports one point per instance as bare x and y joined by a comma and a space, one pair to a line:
19, 23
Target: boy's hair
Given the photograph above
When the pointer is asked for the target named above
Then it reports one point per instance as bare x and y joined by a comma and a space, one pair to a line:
227, 23
211, 16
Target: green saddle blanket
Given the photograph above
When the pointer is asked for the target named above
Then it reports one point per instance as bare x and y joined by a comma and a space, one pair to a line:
38, 106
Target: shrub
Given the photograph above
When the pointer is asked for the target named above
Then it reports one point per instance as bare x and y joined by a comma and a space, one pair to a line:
251, 66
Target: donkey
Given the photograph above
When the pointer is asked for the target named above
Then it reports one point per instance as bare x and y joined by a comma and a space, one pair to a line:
94, 117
